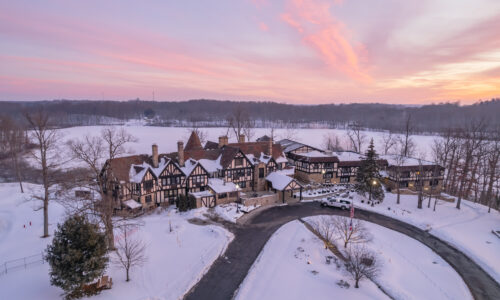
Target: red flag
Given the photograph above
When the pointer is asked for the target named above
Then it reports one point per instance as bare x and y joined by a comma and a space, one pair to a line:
350, 226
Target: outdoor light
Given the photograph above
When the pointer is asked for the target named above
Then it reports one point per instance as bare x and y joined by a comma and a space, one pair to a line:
323, 171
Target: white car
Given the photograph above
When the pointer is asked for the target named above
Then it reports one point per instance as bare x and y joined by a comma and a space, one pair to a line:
335, 202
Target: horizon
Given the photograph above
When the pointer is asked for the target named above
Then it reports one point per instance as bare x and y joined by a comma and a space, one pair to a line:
299, 52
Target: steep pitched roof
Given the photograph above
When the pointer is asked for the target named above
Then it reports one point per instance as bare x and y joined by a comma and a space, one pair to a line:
120, 166
256, 148
193, 143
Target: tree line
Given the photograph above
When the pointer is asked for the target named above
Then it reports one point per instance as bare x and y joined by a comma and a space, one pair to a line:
428, 118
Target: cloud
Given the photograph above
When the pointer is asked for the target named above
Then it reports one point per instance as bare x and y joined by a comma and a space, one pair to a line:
263, 26
326, 35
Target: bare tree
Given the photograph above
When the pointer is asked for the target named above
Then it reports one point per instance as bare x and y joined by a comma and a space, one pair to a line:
361, 263
390, 140
115, 140
400, 161
356, 136
93, 151
47, 156
348, 232
493, 160
472, 138
325, 227
239, 123
130, 250
14, 142
407, 144
331, 142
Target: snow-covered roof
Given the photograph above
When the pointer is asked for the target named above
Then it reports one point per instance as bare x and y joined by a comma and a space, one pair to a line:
132, 204
348, 156
201, 194
279, 180
314, 154
289, 171
211, 166
137, 172
264, 158
405, 161
219, 186
290, 145
281, 159
189, 166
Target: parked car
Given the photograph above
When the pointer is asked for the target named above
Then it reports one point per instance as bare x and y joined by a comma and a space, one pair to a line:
336, 202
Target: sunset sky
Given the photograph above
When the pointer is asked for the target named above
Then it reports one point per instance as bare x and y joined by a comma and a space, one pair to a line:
293, 51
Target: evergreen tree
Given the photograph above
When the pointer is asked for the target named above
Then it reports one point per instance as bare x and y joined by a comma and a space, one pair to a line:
368, 176
77, 255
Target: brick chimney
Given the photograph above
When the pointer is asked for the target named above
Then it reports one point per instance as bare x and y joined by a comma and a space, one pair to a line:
241, 138
223, 141
180, 153
155, 156
270, 147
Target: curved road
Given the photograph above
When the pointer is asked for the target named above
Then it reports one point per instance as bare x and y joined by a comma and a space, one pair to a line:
227, 273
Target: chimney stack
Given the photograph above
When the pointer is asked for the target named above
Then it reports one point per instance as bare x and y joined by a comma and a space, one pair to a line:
180, 153
241, 138
223, 141
155, 156
270, 147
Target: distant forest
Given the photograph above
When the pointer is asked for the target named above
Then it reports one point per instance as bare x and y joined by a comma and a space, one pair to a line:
426, 118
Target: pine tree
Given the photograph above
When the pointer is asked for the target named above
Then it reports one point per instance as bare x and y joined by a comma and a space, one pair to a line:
368, 176
77, 255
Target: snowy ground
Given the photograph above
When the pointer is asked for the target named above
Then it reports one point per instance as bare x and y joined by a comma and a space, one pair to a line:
293, 265
166, 137
293, 255
468, 229
176, 260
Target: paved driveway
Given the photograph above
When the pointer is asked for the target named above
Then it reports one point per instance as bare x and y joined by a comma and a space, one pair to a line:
227, 273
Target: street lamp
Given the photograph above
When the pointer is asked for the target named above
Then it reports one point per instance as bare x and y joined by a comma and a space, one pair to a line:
237, 198
373, 183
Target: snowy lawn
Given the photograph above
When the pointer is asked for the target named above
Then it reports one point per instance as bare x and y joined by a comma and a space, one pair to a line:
469, 229
411, 270
293, 265
176, 260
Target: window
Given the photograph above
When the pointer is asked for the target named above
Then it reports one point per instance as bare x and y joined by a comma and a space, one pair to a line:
344, 179
249, 172
433, 182
148, 184
327, 175
261, 172
222, 196
242, 184
148, 199
238, 161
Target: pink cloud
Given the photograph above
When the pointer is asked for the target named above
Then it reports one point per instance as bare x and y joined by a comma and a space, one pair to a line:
326, 35
263, 26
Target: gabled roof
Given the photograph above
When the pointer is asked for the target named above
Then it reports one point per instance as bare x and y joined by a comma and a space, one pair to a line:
290, 145
279, 180
313, 157
256, 148
120, 166
193, 142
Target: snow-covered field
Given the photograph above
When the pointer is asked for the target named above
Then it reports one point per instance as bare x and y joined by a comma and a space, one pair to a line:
468, 229
167, 137
176, 260
286, 269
